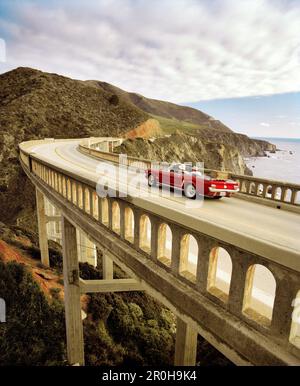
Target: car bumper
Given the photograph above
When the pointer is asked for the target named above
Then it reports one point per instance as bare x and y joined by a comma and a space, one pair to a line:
215, 190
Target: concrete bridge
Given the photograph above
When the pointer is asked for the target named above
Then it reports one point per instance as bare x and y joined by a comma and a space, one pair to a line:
229, 270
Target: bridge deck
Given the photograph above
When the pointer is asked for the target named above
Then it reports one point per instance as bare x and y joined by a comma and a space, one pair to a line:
258, 223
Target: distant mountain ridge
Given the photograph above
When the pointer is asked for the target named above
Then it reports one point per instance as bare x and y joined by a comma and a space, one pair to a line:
165, 109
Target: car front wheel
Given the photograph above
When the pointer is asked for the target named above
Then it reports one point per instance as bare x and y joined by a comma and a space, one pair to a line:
190, 191
151, 180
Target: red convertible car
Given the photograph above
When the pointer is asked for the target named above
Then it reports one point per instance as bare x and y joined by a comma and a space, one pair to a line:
191, 181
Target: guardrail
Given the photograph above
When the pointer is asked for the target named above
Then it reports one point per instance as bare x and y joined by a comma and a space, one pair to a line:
264, 334
276, 191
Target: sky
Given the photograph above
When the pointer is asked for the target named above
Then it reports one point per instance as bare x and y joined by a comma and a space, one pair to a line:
238, 61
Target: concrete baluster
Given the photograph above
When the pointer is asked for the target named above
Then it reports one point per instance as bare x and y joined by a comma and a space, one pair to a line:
205, 246
154, 237
240, 265
287, 286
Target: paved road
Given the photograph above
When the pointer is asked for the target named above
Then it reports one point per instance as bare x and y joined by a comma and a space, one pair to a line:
259, 222
255, 227
260, 229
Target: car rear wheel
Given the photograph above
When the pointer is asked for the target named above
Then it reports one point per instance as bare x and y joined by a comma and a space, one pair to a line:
190, 191
151, 180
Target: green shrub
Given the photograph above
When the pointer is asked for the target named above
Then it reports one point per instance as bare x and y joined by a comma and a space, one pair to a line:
34, 333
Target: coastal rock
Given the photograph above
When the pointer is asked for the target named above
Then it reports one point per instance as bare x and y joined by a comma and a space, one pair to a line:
186, 148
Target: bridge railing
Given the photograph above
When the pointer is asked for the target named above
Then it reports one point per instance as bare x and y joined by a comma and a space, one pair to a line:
196, 266
277, 191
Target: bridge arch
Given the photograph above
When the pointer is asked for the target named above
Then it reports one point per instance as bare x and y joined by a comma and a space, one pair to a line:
80, 196
278, 193
252, 188
104, 211
129, 224
287, 195
74, 192
145, 233
164, 244
219, 273
259, 295
269, 191
115, 223
260, 189
188, 257
295, 327
244, 186
69, 193
86, 197
95, 205
64, 186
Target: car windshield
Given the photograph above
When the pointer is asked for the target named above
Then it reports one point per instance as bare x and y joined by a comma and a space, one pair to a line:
175, 168
186, 168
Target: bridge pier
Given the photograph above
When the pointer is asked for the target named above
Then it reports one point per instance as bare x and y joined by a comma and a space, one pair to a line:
74, 329
107, 268
42, 227
185, 345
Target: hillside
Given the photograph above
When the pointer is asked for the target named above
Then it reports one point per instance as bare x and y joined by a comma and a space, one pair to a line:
185, 117
128, 328
34, 104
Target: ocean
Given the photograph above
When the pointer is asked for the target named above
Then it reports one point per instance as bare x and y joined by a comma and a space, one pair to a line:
284, 165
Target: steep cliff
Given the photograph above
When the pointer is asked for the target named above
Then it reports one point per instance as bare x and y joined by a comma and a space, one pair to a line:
182, 147
246, 146
33, 105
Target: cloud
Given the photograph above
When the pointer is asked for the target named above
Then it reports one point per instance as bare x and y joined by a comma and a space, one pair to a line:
178, 50
265, 124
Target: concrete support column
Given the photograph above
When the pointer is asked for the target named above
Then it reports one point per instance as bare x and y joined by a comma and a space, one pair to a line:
238, 286
154, 237
91, 202
287, 286
74, 329
107, 267
293, 196
110, 213
42, 227
122, 220
87, 252
175, 258
264, 192
100, 204
137, 217
205, 245
186, 344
